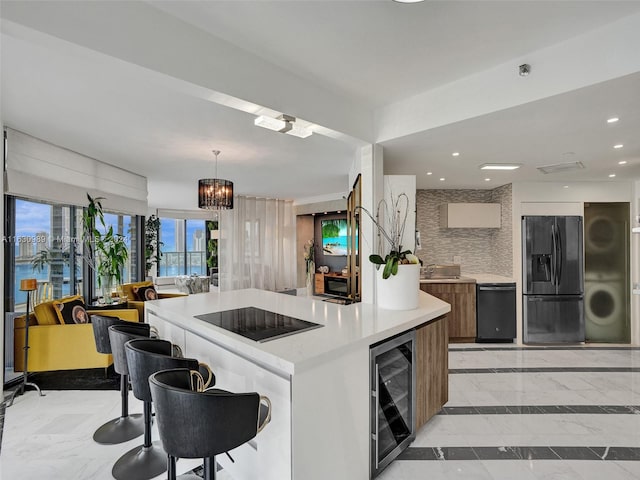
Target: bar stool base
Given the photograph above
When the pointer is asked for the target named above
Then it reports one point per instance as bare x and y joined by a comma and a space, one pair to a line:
120, 430
141, 463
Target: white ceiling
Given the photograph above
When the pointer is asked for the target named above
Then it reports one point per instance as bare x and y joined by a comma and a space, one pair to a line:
67, 92
380, 51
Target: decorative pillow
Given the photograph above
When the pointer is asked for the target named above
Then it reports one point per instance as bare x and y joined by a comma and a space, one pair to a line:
145, 293
46, 313
71, 310
127, 288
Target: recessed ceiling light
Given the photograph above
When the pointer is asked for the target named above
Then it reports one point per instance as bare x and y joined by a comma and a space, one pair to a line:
487, 179
622, 162
442, 179
612, 120
455, 154
618, 145
611, 175
500, 166
408, 1
429, 173
565, 186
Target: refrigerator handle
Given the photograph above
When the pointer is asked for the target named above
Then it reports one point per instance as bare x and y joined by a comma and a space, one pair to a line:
558, 257
553, 255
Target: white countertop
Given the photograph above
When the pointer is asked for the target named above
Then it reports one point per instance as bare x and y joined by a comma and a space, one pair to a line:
489, 278
345, 326
460, 279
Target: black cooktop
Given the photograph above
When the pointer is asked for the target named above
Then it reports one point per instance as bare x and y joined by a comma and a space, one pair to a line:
257, 324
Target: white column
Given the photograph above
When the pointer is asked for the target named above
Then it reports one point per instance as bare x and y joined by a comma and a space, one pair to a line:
371, 170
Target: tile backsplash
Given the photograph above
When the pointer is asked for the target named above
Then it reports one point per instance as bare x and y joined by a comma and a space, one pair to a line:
482, 250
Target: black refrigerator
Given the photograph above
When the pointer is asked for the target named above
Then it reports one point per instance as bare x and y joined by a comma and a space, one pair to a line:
553, 279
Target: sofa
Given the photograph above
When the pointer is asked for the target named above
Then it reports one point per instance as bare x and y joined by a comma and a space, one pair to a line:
59, 346
132, 292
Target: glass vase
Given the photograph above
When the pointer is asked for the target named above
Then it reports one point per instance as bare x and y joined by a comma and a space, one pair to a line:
106, 286
311, 269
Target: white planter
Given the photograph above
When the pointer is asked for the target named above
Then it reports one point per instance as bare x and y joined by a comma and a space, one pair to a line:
401, 291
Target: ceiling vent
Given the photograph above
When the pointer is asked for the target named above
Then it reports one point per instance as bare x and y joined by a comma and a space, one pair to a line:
561, 167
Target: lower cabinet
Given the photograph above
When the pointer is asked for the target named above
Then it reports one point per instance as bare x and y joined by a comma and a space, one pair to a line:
462, 298
432, 369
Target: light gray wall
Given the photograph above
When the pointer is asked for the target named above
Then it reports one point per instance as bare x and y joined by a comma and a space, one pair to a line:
483, 250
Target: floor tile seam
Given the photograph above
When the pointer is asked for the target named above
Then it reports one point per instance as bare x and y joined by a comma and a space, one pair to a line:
526, 453
524, 349
470, 371
540, 410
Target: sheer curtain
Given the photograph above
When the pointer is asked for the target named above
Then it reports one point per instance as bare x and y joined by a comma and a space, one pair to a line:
257, 245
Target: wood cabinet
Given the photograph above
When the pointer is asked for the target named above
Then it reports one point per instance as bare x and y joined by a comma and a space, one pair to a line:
462, 298
432, 369
319, 284
470, 215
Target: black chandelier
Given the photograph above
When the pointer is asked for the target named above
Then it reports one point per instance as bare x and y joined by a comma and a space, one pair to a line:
215, 193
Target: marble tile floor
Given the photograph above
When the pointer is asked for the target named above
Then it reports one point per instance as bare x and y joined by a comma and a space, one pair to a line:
50, 437
513, 413
532, 413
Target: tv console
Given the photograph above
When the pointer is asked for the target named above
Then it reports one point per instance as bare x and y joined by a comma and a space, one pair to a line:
322, 278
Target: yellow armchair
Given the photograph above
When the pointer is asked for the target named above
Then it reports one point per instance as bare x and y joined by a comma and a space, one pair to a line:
54, 346
129, 290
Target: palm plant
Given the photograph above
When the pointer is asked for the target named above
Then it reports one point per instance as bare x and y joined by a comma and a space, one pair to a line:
105, 251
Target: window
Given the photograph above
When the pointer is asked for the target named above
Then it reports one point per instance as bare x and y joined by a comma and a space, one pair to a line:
43, 241
183, 247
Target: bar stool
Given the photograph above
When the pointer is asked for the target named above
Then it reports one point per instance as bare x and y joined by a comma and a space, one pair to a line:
126, 427
195, 424
144, 357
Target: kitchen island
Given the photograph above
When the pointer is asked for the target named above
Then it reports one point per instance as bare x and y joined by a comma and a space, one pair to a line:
317, 380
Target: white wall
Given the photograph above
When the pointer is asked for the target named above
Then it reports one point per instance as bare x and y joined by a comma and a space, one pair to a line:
394, 185
552, 198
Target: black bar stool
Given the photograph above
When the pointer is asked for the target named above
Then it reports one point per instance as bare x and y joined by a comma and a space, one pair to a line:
126, 427
203, 424
144, 357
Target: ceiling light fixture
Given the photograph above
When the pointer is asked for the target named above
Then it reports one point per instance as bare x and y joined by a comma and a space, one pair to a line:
618, 146
612, 120
408, 1
622, 162
611, 175
561, 167
565, 186
487, 179
500, 166
455, 154
215, 193
442, 179
283, 124
429, 173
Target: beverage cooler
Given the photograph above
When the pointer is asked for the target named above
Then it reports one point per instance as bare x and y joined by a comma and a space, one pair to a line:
393, 399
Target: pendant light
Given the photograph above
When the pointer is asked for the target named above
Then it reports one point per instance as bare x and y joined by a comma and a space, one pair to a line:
215, 193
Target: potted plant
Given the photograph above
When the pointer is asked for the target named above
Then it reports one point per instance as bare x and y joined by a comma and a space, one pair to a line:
212, 248
105, 251
152, 244
398, 282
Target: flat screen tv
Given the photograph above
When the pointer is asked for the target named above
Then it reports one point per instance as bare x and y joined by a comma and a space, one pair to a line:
334, 237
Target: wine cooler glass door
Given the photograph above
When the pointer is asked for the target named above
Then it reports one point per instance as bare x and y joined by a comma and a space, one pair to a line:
393, 399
